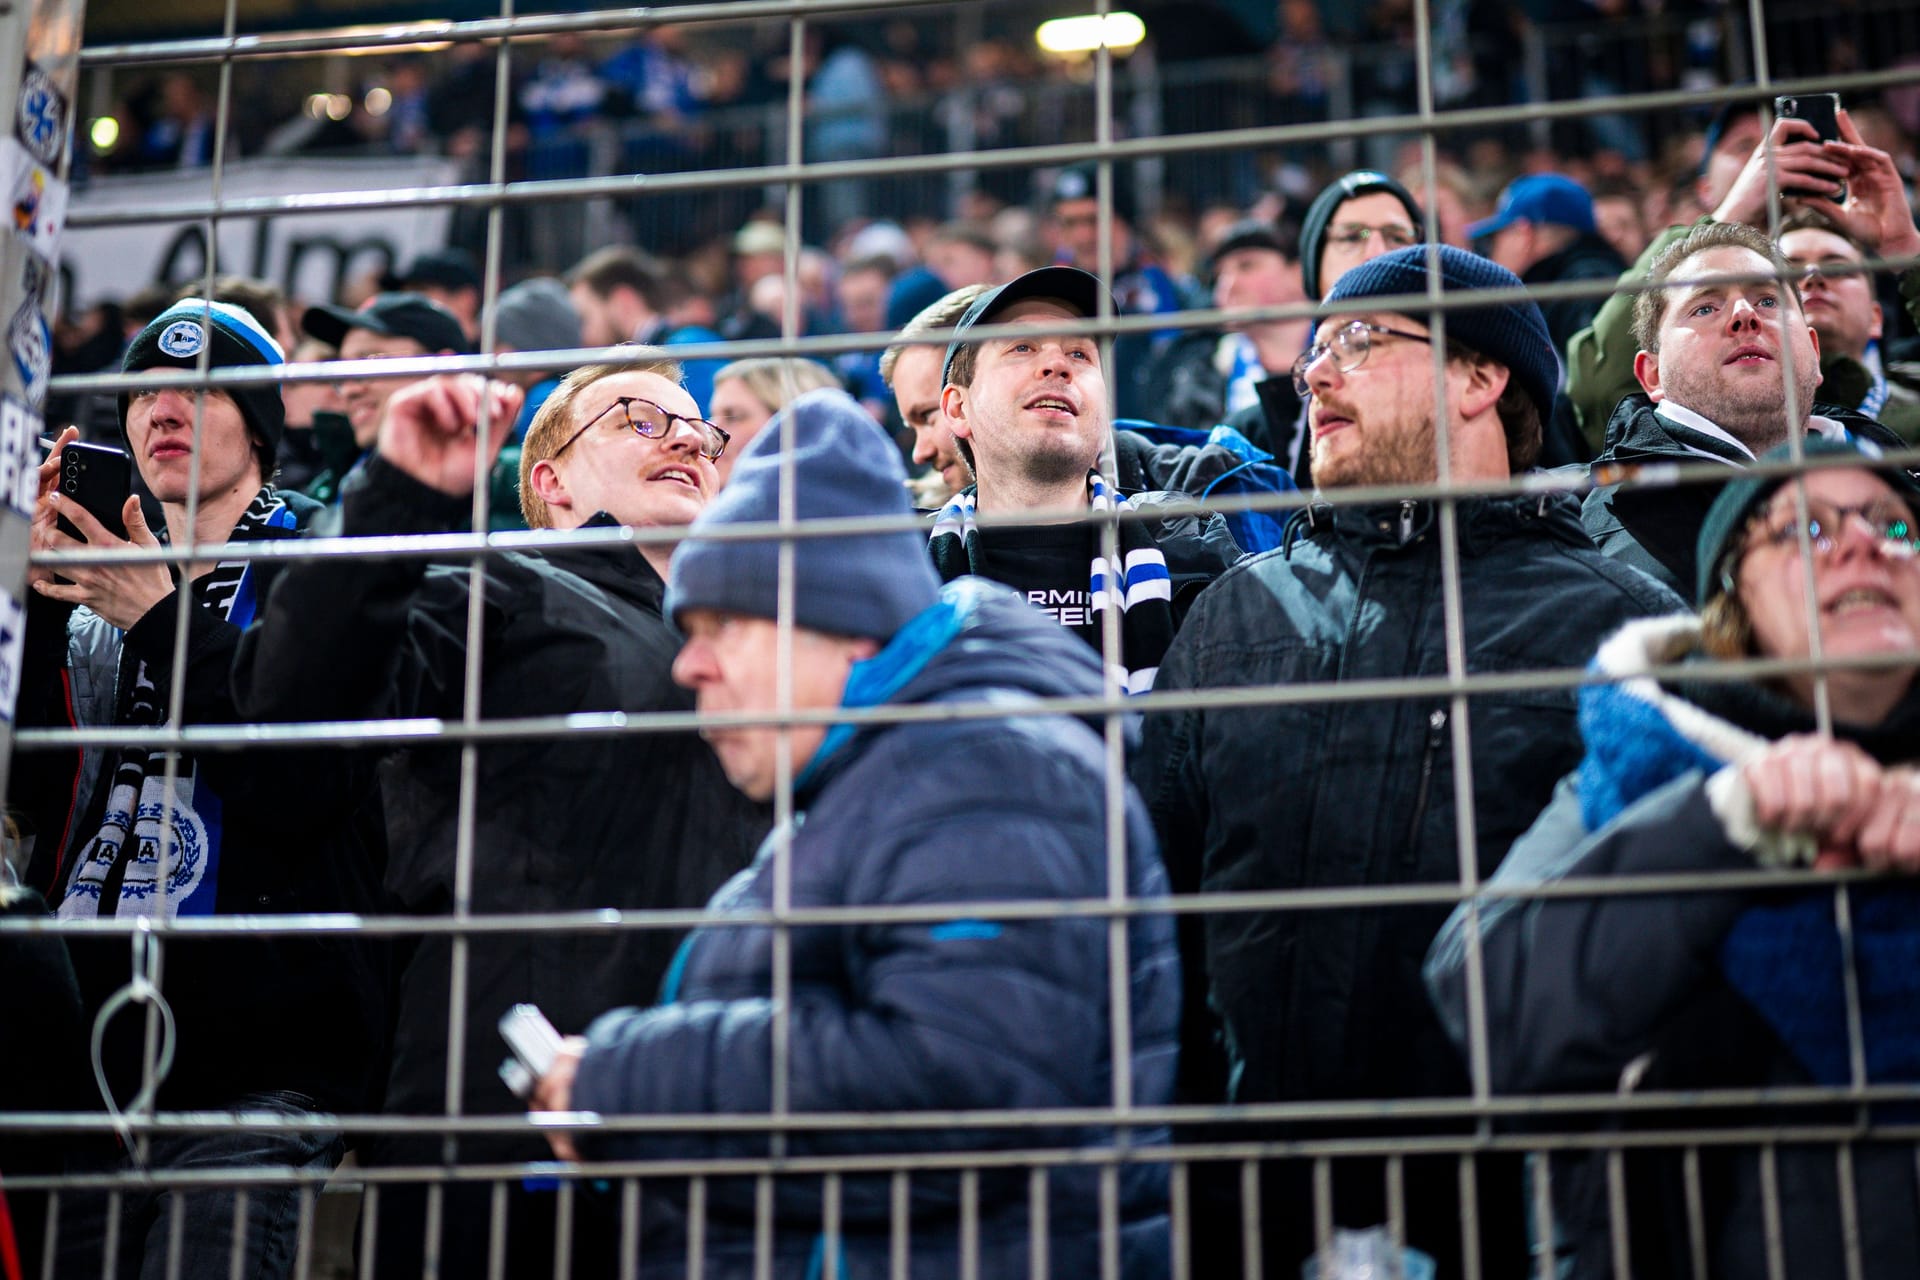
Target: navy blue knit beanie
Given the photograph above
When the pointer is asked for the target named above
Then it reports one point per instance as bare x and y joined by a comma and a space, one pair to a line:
868, 585
179, 335
1313, 228
1512, 333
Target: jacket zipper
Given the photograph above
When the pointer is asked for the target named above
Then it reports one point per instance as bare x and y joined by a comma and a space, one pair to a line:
1407, 508
1436, 726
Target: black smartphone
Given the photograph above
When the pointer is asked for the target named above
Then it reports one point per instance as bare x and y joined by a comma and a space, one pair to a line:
99, 478
1822, 111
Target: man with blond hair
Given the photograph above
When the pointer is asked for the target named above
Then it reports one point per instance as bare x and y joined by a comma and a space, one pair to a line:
643, 821
911, 370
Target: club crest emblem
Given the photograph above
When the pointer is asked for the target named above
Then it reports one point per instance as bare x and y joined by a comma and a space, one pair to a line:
182, 338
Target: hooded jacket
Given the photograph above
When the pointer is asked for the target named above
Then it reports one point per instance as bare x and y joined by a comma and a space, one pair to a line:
572, 823
1693, 991
1328, 1004
1654, 528
949, 1016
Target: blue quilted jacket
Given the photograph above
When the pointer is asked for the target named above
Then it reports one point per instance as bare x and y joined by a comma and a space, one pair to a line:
964, 1014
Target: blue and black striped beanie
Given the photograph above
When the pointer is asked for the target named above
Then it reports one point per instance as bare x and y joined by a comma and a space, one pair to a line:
181, 334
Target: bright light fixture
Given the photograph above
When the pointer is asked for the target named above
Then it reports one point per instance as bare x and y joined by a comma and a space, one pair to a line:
379, 102
104, 133
1117, 31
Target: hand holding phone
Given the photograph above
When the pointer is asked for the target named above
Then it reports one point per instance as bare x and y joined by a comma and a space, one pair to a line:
535, 1043
1822, 111
98, 478
93, 485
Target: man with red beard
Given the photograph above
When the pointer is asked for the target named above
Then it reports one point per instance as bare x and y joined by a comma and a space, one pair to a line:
582, 821
1326, 1005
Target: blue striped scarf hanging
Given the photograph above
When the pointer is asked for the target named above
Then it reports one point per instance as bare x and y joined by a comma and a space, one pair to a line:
1136, 582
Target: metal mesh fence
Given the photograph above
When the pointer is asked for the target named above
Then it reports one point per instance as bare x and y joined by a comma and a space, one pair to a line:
1507, 1176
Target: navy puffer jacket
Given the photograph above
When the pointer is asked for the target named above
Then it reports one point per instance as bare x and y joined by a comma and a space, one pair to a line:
951, 1016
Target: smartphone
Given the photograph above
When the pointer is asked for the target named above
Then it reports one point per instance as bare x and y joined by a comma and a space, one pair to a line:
99, 478
1822, 111
535, 1044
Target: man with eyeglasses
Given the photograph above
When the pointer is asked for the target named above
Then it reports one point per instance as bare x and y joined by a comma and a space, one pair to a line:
568, 823
1357, 218
1326, 1005
1716, 349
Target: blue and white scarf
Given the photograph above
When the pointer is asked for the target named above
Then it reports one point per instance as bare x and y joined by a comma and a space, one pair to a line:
117, 872
1784, 956
1137, 583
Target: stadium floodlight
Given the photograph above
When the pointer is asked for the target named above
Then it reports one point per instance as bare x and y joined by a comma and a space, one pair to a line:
1119, 32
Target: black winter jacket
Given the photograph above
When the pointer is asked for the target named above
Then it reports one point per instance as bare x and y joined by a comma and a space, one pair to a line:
298, 833
1328, 1004
1655, 528
574, 823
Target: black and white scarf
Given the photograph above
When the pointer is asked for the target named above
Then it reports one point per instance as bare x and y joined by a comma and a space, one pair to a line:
116, 875
1138, 584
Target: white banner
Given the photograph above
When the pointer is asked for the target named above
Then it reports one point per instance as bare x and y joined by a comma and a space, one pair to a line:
306, 253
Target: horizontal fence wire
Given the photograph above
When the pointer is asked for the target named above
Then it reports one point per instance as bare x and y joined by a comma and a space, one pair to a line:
1254, 1137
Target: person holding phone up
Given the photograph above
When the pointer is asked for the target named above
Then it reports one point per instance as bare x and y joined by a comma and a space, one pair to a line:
284, 1026
1858, 187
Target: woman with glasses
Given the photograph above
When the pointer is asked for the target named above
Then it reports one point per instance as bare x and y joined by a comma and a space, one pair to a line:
1779, 780
747, 393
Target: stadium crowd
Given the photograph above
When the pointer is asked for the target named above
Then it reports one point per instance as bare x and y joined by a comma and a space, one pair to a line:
1094, 517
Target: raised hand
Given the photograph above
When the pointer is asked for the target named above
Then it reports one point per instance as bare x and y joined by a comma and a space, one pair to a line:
1792, 149
431, 428
120, 593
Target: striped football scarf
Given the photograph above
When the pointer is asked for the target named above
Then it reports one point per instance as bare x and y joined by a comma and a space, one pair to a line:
1136, 582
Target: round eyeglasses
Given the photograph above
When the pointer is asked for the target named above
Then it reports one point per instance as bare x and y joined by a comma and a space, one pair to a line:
648, 419
1888, 519
1349, 345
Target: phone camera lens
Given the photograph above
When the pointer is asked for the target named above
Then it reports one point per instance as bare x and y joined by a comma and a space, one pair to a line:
1790, 106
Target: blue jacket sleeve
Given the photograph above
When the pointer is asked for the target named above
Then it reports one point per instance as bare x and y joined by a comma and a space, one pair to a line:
1579, 987
944, 1017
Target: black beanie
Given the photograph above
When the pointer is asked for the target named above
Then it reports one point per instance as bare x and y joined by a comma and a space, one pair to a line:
178, 336
1313, 229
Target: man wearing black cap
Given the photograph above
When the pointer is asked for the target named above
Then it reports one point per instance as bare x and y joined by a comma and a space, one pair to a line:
1327, 1005
1029, 414
449, 278
1359, 216
388, 325
292, 1025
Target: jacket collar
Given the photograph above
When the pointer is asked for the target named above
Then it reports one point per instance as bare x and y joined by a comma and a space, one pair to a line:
1483, 522
1637, 432
621, 572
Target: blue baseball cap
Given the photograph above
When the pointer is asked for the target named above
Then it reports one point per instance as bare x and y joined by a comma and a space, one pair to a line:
1539, 197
